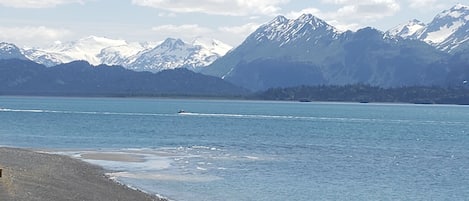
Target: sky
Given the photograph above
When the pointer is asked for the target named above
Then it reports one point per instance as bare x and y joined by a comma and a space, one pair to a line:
41, 23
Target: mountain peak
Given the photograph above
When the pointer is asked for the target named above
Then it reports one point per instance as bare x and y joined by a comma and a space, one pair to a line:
416, 21
172, 43
308, 18
205, 41
7, 46
460, 6
315, 22
10, 51
306, 27
212, 45
448, 30
406, 30
459, 11
279, 20
175, 53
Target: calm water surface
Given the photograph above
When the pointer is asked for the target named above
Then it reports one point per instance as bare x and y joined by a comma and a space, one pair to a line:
254, 150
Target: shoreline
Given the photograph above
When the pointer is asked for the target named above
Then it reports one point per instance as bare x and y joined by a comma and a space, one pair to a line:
31, 175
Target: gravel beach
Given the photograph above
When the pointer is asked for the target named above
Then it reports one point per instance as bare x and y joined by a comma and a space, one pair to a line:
33, 176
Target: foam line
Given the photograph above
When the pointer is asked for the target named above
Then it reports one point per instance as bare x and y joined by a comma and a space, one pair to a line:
81, 112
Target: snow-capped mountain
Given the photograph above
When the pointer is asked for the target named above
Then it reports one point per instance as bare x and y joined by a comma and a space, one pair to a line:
175, 53
10, 51
406, 30
307, 27
308, 51
169, 54
44, 57
121, 55
448, 31
95, 50
277, 38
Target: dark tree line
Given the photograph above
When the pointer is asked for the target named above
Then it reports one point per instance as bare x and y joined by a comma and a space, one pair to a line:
367, 93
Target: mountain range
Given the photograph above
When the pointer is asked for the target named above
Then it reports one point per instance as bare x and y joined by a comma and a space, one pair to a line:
448, 31
309, 51
168, 54
79, 78
292, 52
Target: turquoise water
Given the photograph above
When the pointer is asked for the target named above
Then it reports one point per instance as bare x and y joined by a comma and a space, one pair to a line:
255, 150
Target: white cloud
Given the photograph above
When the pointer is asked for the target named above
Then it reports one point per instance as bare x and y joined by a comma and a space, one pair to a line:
421, 3
341, 26
218, 7
243, 30
186, 29
32, 35
367, 9
36, 3
295, 14
186, 32
163, 14
235, 35
232, 35
428, 5
352, 14
331, 18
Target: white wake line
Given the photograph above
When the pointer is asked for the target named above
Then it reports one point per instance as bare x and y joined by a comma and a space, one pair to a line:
246, 116
342, 119
81, 112
275, 117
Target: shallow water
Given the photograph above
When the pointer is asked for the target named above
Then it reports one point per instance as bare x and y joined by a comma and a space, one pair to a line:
255, 150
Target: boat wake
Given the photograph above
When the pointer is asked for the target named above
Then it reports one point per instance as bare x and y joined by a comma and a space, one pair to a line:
312, 118
82, 112
241, 116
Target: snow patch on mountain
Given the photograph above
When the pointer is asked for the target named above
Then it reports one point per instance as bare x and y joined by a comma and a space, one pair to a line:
43, 57
95, 50
286, 31
443, 33
148, 56
168, 55
10, 51
175, 53
120, 55
212, 46
406, 30
455, 12
448, 31
7, 47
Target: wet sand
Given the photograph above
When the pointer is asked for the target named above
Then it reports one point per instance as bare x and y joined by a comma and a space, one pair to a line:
33, 176
113, 157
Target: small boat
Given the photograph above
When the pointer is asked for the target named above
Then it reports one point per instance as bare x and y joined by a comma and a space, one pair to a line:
304, 100
181, 111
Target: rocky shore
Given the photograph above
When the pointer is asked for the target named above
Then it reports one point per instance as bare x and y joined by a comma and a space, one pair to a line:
33, 176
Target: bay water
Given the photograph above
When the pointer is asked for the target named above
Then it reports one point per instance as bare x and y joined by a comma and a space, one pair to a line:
255, 150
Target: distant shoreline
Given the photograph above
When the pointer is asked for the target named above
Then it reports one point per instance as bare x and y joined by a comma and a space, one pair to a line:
356, 93
29, 175
252, 98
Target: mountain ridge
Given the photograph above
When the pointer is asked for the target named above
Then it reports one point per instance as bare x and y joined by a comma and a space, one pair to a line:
282, 52
448, 31
308, 51
136, 56
79, 78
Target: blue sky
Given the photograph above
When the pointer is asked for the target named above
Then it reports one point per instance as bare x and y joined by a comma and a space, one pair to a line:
37, 23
